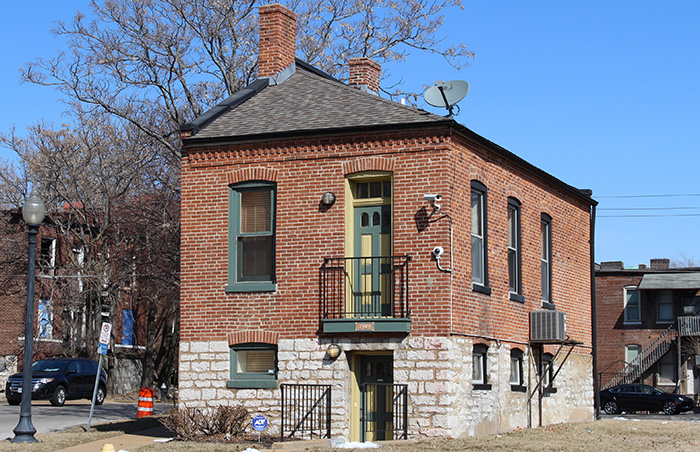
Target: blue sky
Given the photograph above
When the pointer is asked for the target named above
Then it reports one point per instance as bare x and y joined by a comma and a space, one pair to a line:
601, 94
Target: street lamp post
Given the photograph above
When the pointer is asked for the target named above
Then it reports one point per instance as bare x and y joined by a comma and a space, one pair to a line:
33, 213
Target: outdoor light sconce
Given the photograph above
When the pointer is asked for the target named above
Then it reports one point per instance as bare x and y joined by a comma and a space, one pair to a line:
328, 199
333, 351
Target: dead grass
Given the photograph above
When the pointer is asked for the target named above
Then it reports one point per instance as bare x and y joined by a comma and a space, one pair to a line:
605, 435
49, 442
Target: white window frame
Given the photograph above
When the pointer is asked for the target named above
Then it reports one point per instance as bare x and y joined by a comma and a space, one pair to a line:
480, 377
628, 353
627, 319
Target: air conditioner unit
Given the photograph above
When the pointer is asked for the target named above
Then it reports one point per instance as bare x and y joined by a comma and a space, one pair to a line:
547, 326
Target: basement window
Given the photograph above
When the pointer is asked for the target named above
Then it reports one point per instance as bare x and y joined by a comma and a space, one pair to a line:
253, 366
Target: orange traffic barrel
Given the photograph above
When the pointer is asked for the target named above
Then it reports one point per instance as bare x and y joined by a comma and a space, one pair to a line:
145, 402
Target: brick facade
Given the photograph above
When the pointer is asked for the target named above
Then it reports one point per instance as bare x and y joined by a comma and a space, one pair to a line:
447, 317
615, 333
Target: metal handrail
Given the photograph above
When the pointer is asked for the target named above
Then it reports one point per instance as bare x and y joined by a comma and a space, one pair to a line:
364, 287
645, 359
689, 326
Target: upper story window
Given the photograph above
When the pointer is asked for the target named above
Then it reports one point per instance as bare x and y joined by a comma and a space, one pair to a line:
252, 237
514, 262
546, 258
47, 255
480, 274
128, 336
665, 312
632, 307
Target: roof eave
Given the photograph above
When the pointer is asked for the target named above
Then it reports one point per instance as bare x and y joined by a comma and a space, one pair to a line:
226, 105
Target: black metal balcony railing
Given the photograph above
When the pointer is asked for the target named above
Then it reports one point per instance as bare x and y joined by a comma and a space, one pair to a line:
364, 287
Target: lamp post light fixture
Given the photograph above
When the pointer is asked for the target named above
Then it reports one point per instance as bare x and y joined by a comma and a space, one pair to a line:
33, 213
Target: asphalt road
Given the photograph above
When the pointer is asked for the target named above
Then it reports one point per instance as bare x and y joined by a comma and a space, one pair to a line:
74, 413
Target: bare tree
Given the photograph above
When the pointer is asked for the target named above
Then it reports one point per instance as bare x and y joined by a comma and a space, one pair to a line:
157, 64
114, 201
684, 261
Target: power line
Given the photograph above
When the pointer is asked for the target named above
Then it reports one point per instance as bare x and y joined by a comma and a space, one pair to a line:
674, 195
651, 216
650, 208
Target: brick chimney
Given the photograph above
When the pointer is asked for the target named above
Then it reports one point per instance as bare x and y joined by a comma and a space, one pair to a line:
364, 74
278, 32
659, 264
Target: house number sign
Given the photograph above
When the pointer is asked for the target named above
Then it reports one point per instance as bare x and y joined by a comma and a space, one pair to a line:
364, 326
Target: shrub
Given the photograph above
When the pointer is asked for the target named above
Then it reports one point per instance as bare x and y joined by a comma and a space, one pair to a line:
189, 423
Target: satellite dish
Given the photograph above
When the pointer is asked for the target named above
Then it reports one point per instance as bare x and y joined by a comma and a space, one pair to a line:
446, 94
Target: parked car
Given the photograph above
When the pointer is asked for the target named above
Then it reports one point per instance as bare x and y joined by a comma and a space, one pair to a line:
58, 380
638, 397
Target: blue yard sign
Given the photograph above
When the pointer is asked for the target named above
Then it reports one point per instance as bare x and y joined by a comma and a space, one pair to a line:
260, 422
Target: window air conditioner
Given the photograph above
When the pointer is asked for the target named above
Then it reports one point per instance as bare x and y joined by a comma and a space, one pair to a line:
547, 326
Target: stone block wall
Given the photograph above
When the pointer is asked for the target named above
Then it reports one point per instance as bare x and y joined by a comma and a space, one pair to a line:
437, 370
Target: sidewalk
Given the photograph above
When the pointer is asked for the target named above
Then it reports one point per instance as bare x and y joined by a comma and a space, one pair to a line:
128, 441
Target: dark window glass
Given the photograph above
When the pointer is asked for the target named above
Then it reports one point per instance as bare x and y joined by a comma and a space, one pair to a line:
514, 266
546, 257
478, 233
252, 236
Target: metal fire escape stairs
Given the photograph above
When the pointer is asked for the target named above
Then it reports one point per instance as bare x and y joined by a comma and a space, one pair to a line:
647, 358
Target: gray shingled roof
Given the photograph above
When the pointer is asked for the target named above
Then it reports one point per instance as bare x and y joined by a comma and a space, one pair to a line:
309, 102
690, 280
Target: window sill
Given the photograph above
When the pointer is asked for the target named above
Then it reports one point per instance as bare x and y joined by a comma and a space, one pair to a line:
482, 387
518, 388
252, 287
632, 323
517, 297
548, 305
481, 289
252, 384
549, 391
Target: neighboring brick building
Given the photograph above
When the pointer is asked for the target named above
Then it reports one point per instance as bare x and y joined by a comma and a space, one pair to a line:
306, 232
62, 312
640, 312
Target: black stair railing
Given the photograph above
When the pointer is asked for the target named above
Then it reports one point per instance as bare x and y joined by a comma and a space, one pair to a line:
306, 411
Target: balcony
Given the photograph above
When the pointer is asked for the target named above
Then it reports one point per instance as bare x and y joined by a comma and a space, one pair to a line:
689, 326
365, 294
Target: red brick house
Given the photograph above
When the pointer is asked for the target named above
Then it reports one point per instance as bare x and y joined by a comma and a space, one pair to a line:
643, 315
335, 241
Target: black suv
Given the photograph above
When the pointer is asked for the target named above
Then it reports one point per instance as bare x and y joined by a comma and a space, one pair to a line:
58, 380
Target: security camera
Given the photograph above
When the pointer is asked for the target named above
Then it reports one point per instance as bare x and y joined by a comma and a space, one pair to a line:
432, 198
438, 251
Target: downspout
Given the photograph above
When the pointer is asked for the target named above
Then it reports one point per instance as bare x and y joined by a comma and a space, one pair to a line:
594, 323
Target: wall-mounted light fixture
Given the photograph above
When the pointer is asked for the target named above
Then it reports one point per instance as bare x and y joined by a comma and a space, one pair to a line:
328, 199
333, 351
